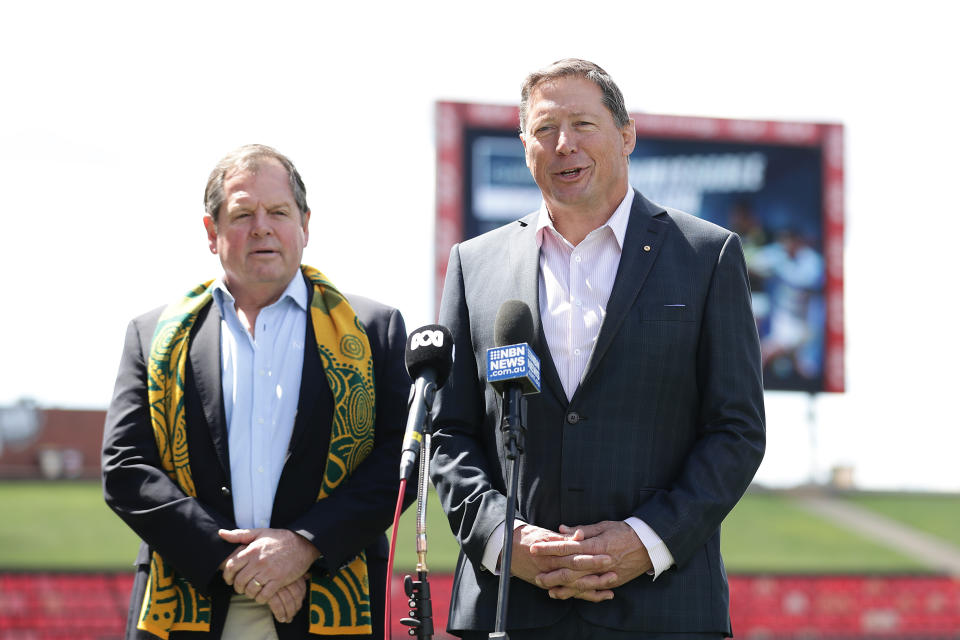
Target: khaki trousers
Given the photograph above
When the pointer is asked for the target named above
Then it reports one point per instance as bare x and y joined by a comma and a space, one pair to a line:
248, 620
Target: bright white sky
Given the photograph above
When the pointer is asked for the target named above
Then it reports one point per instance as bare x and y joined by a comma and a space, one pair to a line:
112, 115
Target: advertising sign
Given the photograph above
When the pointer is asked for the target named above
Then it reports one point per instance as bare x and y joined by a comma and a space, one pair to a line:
779, 185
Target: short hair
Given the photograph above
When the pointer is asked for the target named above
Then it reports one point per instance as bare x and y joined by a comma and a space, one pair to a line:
612, 98
248, 158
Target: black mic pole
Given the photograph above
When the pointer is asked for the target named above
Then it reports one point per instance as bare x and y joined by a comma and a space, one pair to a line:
513, 369
513, 427
420, 618
429, 358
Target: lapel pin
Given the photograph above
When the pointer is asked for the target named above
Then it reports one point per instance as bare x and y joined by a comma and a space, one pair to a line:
646, 247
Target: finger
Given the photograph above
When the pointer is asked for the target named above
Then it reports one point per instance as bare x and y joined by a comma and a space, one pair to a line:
590, 547
238, 536
567, 547
585, 530
562, 593
565, 593
592, 563
596, 582
589, 562
298, 590
282, 605
555, 548
253, 588
270, 589
233, 565
595, 596
571, 533
292, 597
278, 609
560, 577
243, 582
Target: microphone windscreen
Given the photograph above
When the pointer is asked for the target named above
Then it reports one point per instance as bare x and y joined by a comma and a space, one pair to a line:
430, 347
514, 324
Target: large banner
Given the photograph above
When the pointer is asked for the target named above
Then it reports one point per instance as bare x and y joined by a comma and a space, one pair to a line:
779, 185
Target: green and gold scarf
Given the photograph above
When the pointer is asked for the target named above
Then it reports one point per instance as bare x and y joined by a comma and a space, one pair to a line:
339, 603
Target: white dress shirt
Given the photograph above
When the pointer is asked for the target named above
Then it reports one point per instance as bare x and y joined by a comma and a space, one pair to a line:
261, 389
575, 285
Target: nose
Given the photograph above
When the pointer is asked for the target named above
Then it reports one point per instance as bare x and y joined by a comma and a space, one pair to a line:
261, 226
566, 142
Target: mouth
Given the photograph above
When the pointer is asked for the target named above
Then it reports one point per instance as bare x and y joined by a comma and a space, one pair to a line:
571, 174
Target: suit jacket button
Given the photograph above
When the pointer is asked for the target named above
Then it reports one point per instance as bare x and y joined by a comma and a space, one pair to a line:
573, 417
225, 492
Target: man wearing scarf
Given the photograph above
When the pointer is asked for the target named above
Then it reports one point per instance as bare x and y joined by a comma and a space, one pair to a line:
253, 434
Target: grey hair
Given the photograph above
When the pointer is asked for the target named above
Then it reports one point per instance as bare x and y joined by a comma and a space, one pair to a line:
612, 97
248, 158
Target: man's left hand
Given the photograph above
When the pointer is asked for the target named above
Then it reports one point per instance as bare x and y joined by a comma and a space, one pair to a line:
287, 601
269, 560
615, 539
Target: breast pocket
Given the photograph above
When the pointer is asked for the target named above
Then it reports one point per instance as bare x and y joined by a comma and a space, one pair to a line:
672, 312
663, 338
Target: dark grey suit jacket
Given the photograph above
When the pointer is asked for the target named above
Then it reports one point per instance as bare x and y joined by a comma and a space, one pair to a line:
667, 424
184, 530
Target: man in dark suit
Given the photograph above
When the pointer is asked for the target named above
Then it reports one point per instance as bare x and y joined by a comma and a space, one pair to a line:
649, 426
253, 434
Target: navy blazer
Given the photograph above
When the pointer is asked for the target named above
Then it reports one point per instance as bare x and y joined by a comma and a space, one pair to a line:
184, 529
667, 423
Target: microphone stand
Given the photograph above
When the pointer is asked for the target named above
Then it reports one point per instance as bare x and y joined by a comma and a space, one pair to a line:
420, 618
513, 427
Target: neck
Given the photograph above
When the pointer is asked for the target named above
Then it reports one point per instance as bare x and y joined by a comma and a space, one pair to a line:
574, 222
575, 225
249, 301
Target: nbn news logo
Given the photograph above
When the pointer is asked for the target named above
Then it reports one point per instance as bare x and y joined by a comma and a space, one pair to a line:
513, 362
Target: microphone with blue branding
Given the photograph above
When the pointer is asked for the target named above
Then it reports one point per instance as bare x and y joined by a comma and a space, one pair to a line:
513, 369
512, 361
429, 358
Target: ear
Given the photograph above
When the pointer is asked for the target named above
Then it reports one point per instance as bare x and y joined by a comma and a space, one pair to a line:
525, 157
629, 133
211, 227
306, 224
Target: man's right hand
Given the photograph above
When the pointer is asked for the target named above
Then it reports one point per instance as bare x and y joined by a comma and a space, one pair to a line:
528, 564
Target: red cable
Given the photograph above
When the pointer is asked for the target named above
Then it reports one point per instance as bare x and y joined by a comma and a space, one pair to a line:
393, 546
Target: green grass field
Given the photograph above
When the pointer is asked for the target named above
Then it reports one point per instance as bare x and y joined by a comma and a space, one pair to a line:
66, 526
932, 513
61, 525
766, 532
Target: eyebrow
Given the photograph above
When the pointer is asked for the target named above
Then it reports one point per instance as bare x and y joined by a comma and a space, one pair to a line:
241, 205
576, 114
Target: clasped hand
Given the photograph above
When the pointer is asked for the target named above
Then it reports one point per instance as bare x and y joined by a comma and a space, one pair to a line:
270, 566
586, 561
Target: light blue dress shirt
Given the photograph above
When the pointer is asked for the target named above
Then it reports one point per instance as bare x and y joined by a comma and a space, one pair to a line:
261, 388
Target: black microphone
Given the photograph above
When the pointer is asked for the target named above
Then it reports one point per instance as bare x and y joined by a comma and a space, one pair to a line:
514, 371
429, 358
512, 361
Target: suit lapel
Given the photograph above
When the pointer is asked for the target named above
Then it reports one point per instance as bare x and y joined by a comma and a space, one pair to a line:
644, 236
525, 266
205, 361
310, 378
